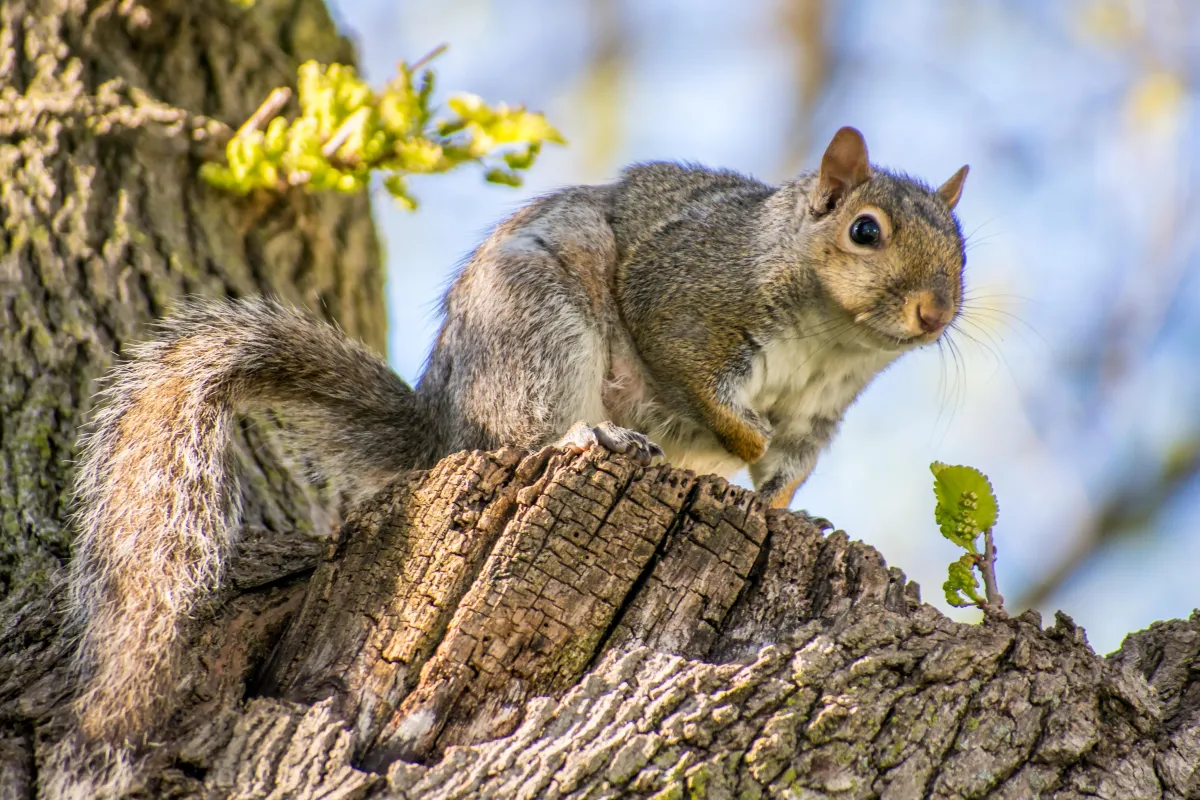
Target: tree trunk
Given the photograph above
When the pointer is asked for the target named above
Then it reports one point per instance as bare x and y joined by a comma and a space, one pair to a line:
506, 624
107, 110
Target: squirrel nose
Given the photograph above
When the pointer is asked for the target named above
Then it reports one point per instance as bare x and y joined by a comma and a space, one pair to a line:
932, 312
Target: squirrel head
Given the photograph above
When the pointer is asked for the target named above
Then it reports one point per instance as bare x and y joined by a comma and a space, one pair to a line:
886, 249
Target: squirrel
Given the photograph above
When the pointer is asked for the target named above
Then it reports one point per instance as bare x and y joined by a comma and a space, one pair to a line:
695, 314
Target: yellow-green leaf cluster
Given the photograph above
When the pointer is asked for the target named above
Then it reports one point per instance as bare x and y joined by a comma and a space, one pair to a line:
346, 132
961, 586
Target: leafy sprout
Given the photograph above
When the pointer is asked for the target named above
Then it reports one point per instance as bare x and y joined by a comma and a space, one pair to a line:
966, 512
346, 132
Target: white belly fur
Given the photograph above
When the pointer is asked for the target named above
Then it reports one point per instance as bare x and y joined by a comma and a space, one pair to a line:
793, 381
796, 380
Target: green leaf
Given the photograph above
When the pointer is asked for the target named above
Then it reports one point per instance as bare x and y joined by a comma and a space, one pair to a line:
420, 155
502, 177
220, 177
966, 504
953, 529
449, 127
470, 107
523, 159
275, 139
961, 581
398, 188
424, 92
951, 483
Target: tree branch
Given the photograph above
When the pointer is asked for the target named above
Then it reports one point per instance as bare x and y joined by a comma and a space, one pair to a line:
549, 624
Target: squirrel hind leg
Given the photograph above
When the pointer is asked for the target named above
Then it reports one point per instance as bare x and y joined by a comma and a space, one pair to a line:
614, 438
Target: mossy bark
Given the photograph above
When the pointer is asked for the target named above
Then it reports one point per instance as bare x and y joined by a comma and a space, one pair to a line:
106, 111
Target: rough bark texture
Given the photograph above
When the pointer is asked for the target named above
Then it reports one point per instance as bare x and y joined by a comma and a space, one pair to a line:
107, 110
505, 625
548, 625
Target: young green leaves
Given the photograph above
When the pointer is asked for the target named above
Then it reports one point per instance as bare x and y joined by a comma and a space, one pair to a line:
346, 131
966, 505
966, 511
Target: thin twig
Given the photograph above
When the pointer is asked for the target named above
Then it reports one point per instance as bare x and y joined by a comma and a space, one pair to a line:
266, 112
339, 137
430, 56
987, 568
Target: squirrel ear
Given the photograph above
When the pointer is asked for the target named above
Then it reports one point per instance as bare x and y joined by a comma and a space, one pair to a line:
843, 167
951, 190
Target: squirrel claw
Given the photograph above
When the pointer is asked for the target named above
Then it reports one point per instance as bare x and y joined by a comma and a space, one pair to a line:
821, 523
613, 438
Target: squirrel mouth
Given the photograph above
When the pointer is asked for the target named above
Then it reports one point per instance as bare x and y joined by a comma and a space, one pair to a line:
886, 340
882, 336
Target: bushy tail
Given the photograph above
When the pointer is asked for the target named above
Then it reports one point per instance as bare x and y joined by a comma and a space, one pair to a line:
158, 503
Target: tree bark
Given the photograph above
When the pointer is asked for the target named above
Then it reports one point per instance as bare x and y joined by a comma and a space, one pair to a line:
506, 624
107, 110
557, 626
553, 625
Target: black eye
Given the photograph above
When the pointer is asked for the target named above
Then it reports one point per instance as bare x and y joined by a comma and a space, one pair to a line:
865, 231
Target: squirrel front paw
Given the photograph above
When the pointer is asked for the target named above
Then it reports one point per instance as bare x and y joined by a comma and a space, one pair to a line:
612, 437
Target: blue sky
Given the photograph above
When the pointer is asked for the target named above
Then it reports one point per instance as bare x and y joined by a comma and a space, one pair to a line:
1078, 121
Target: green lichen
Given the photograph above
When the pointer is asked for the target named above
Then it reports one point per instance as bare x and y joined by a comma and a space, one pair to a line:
672, 792
697, 781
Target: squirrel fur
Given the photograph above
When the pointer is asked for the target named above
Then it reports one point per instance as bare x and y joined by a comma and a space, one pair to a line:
727, 321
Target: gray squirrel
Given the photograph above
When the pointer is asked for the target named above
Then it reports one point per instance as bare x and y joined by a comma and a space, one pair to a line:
680, 311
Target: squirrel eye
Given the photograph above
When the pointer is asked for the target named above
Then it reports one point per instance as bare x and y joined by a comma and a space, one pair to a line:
865, 231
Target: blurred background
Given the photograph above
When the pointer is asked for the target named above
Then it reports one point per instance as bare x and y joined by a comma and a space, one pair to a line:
1073, 382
